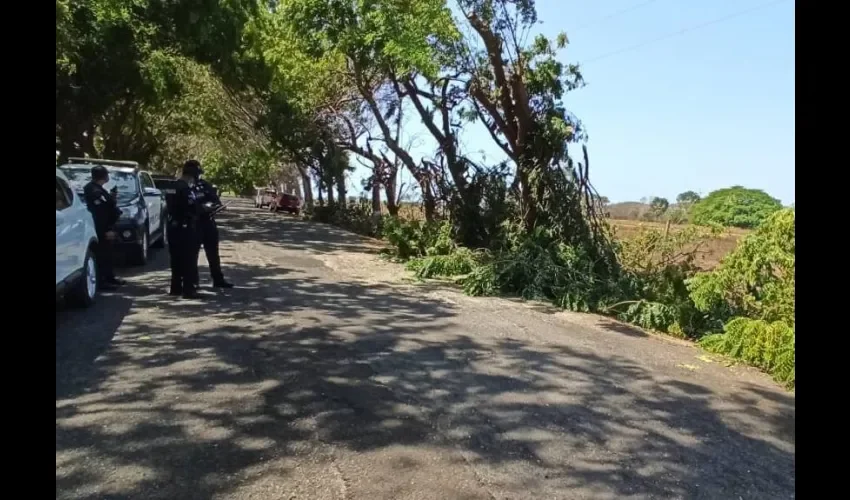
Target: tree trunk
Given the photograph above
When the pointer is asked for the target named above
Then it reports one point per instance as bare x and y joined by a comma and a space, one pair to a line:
340, 189
330, 188
392, 195
428, 200
376, 201
320, 187
308, 189
529, 209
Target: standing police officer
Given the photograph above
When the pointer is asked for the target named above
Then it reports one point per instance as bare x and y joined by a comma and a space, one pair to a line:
183, 212
207, 228
105, 212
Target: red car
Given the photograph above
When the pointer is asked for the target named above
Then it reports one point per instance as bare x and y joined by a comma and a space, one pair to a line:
287, 203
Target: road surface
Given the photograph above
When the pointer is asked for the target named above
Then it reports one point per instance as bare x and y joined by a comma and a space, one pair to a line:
325, 375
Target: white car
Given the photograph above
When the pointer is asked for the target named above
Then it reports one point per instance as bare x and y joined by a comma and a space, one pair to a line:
265, 197
76, 268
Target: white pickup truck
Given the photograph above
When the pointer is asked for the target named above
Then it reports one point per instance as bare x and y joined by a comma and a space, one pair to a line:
142, 222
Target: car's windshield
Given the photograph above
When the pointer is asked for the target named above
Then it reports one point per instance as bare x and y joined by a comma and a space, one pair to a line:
128, 186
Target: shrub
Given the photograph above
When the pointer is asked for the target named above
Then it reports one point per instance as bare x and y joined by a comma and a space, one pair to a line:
753, 288
757, 279
537, 266
356, 217
766, 345
410, 238
457, 263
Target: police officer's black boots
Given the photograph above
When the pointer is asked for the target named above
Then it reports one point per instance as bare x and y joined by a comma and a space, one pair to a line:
222, 283
176, 289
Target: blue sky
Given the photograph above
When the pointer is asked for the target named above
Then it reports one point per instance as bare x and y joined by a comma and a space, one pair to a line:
707, 109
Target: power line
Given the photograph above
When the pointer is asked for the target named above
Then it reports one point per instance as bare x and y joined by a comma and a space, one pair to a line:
683, 31
612, 16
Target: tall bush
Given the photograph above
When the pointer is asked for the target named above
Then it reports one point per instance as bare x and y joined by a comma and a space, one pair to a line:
753, 290
756, 280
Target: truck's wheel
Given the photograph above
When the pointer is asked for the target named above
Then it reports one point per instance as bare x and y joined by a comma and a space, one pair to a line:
162, 242
139, 255
85, 289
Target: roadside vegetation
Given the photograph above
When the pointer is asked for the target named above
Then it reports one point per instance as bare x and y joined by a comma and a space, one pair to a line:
298, 92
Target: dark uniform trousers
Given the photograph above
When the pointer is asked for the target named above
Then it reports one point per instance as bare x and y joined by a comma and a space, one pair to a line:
208, 238
104, 252
182, 242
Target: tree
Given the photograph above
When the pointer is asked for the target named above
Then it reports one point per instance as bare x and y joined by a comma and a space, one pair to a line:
687, 199
375, 41
736, 207
658, 207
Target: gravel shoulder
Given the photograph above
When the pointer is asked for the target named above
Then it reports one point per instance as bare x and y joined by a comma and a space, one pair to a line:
326, 374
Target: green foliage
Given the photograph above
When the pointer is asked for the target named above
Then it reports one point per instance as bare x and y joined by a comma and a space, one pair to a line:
539, 267
144, 81
358, 218
410, 238
754, 289
653, 316
756, 280
736, 207
770, 346
459, 262
240, 173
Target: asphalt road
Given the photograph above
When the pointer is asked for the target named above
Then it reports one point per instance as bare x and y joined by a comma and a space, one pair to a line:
323, 375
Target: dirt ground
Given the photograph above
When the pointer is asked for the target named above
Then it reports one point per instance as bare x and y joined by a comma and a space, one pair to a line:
326, 374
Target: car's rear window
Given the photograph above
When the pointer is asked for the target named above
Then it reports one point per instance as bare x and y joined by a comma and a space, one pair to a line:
165, 184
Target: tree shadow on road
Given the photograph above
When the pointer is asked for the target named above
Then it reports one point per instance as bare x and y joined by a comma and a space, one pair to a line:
201, 399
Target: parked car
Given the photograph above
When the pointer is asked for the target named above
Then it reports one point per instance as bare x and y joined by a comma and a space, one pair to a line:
287, 203
76, 238
142, 222
265, 197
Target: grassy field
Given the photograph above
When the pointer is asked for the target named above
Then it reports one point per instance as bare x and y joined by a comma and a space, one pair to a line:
709, 254
708, 257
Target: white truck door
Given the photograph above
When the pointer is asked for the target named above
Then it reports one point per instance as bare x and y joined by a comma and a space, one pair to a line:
154, 203
64, 233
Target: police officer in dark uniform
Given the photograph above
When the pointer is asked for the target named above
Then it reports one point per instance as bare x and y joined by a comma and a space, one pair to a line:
183, 213
207, 228
105, 212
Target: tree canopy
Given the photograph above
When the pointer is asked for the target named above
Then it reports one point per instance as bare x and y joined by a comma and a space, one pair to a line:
736, 206
687, 198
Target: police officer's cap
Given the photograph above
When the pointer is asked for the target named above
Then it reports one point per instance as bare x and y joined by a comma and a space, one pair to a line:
192, 167
99, 172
